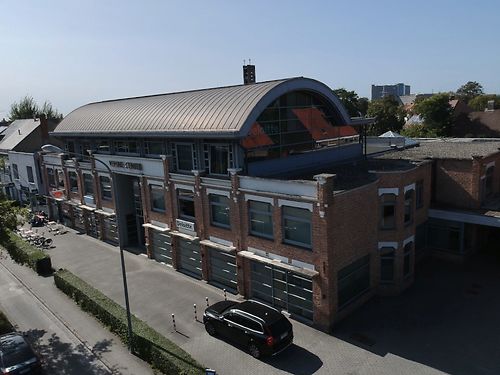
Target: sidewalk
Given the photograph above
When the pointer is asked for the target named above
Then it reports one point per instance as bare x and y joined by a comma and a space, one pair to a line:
157, 291
70, 340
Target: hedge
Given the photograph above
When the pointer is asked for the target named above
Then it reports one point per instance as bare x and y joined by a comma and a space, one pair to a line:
25, 253
147, 343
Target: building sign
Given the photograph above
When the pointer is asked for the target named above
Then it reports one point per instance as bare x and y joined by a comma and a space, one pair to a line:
125, 164
183, 224
57, 193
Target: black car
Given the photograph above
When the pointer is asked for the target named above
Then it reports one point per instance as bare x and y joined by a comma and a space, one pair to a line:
261, 329
17, 356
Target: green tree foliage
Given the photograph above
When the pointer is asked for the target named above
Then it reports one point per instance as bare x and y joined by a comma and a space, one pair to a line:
11, 215
388, 114
469, 91
354, 105
418, 131
27, 108
480, 103
436, 113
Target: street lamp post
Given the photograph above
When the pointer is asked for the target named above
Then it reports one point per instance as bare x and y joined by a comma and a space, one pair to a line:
55, 149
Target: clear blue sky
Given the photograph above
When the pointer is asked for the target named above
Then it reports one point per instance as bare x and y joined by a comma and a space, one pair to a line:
75, 52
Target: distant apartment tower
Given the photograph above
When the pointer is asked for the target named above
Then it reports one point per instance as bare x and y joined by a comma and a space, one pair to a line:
399, 89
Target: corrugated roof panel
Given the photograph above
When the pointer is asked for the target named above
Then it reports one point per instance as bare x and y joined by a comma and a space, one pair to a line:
218, 111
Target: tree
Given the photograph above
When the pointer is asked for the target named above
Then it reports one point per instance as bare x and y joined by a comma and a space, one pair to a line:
436, 113
480, 103
388, 113
469, 91
418, 131
354, 105
28, 108
11, 215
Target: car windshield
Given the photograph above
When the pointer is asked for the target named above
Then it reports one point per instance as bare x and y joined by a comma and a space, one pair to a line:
280, 326
17, 356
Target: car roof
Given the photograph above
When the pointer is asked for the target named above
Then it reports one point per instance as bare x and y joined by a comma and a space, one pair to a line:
266, 313
12, 342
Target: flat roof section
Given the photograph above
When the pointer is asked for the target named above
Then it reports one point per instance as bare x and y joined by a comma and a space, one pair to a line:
456, 148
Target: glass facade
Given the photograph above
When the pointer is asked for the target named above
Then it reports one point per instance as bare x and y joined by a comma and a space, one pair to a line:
184, 157
296, 123
73, 182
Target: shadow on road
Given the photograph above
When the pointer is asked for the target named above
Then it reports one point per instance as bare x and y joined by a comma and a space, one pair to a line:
448, 320
64, 358
296, 360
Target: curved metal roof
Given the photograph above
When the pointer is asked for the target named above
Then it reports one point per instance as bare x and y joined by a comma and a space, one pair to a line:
216, 112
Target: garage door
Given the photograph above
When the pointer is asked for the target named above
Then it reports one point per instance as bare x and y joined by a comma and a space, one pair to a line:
110, 230
223, 269
161, 247
283, 289
190, 258
79, 219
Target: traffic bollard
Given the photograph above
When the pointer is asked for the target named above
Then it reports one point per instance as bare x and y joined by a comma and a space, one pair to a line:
206, 299
173, 321
195, 314
225, 295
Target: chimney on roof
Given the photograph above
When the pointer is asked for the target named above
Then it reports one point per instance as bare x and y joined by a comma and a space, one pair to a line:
44, 127
248, 73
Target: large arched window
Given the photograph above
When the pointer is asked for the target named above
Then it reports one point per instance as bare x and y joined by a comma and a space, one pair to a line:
295, 123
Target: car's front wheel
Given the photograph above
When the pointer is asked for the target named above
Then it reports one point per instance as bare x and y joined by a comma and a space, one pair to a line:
254, 350
209, 327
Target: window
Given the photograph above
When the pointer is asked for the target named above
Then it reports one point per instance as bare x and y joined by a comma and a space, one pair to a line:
88, 184
105, 183
29, 171
157, 197
219, 159
103, 147
15, 172
60, 178
186, 204
73, 182
388, 212
184, 157
154, 148
353, 280
408, 219
419, 194
297, 226
126, 147
50, 176
387, 265
219, 211
407, 259
260, 219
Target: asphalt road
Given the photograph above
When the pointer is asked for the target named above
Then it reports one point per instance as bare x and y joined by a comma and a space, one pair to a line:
69, 341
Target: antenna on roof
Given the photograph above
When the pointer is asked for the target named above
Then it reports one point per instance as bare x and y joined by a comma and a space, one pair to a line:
244, 62
249, 61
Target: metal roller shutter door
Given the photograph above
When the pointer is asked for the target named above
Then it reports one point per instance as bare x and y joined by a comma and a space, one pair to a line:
110, 230
161, 246
190, 258
283, 289
79, 219
223, 269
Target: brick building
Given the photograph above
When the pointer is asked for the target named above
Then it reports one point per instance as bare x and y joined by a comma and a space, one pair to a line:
262, 189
